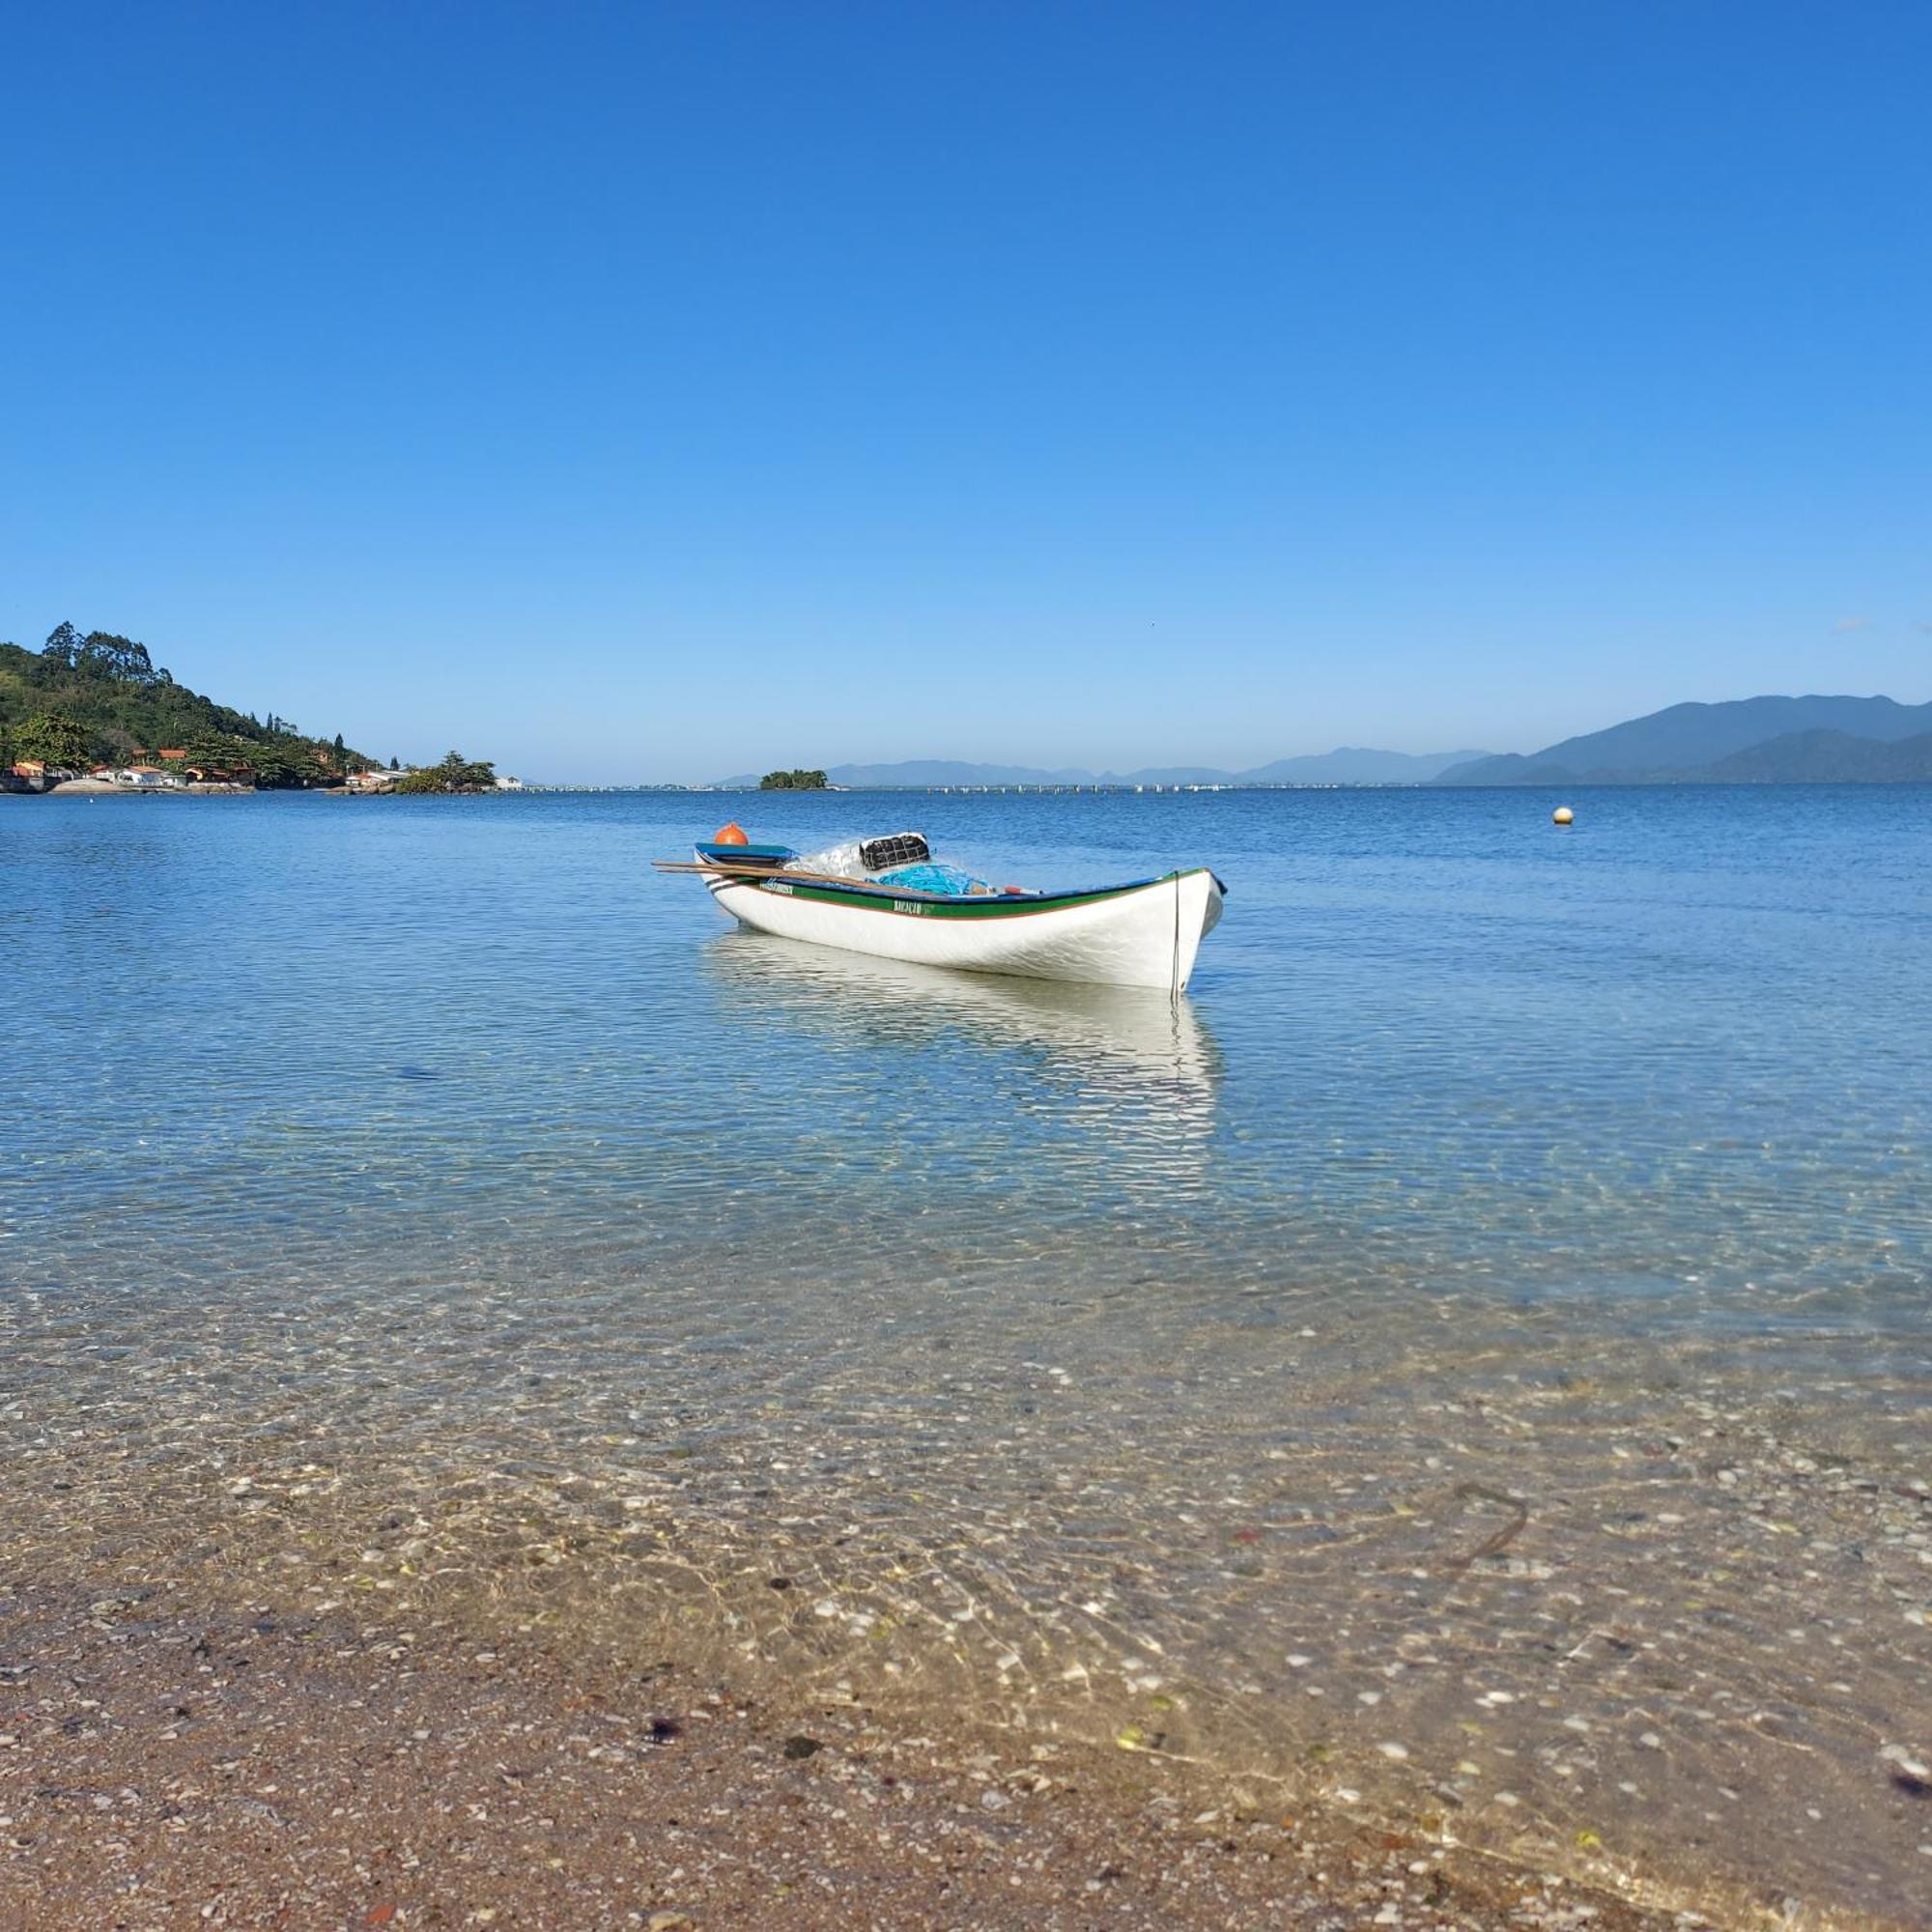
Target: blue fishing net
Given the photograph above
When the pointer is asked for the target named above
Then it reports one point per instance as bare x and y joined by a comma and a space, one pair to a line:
935, 878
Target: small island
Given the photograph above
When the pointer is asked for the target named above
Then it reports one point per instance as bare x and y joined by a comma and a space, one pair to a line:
799, 780
455, 776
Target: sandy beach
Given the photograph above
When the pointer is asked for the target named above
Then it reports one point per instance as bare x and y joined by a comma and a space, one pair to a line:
250, 1693
164, 1768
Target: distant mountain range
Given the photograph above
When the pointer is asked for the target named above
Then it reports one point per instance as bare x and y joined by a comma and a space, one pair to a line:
1827, 757
1748, 741
1347, 765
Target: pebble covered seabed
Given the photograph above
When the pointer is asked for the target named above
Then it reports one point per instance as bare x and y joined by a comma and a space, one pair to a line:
1595, 1615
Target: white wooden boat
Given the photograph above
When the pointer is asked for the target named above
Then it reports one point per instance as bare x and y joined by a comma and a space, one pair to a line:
1142, 933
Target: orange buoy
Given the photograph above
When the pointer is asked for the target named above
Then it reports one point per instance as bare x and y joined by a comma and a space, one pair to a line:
731, 835
1563, 815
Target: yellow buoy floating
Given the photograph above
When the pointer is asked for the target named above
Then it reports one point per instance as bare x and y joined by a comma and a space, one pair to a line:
1562, 815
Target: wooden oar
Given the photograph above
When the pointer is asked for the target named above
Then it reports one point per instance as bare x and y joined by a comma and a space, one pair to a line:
754, 874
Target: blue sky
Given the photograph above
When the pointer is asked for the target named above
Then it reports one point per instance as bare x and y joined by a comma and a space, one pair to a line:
1073, 384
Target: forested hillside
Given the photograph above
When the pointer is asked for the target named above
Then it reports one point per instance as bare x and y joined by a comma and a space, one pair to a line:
100, 700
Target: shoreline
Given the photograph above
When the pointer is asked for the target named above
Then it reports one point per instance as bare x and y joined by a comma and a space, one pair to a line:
102, 788
165, 1762
338, 1592
1680, 1670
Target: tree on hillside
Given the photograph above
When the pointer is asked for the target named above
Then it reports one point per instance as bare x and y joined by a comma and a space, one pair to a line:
63, 645
283, 767
102, 654
54, 738
211, 751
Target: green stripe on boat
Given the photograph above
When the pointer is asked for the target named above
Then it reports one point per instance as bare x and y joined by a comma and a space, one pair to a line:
992, 905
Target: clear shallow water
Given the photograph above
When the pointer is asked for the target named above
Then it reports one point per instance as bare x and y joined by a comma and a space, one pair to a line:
511, 1230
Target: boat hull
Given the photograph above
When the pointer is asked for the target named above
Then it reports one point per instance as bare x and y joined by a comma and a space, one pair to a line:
1146, 934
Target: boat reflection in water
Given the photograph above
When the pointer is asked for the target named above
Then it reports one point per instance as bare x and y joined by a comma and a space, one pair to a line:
1125, 1074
